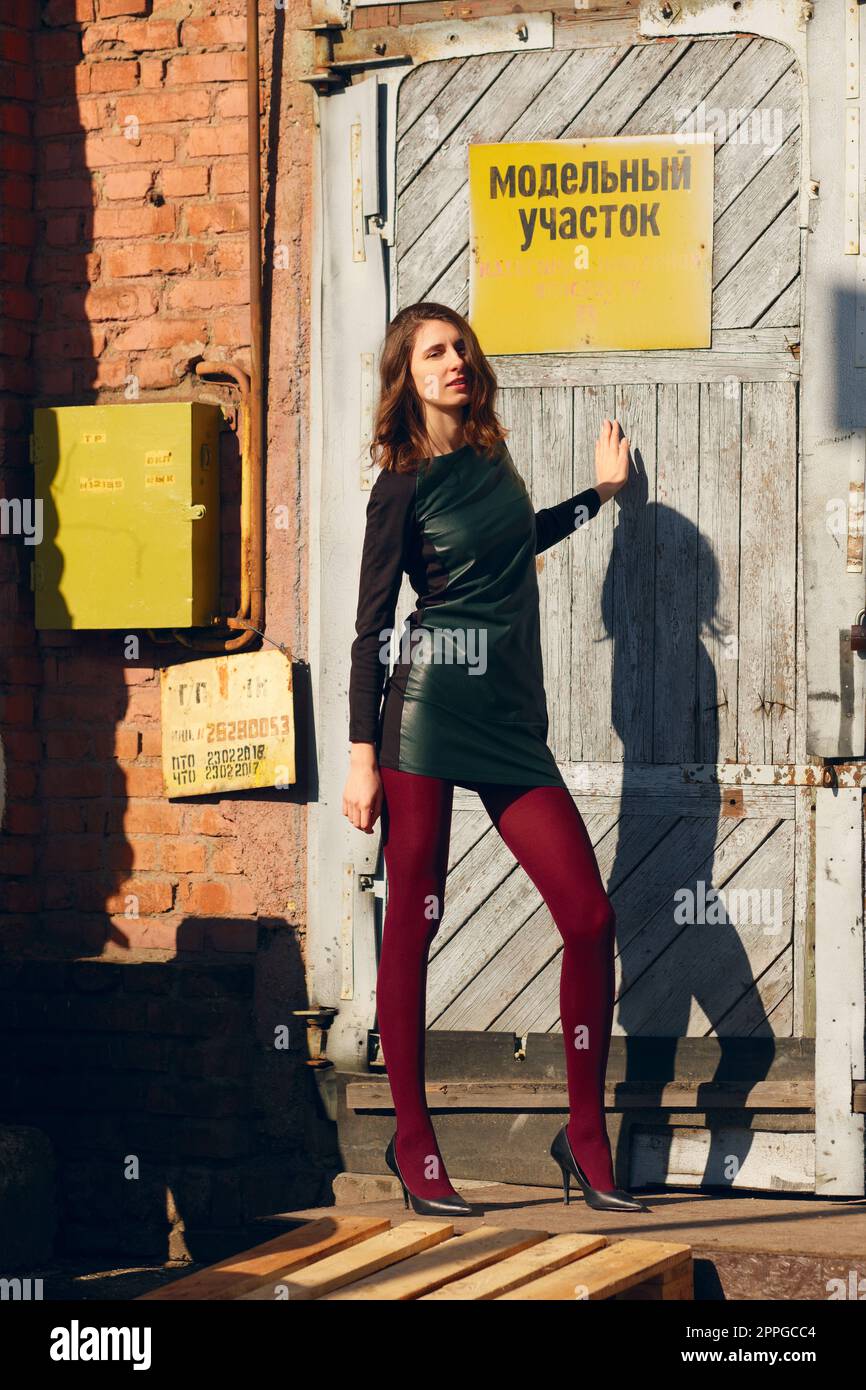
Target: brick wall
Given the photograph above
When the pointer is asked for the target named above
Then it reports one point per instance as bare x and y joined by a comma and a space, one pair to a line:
135, 932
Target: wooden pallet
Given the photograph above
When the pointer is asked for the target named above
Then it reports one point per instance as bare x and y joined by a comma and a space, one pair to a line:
343, 1257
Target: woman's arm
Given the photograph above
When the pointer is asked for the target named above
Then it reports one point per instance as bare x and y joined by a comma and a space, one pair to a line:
390, 513
553, 524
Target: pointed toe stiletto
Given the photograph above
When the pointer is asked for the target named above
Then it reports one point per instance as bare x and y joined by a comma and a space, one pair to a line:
616, 1200
425, 1206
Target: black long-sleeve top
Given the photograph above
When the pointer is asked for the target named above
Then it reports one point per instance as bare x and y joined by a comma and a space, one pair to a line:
394, 544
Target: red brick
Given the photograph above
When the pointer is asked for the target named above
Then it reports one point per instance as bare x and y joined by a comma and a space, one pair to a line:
66, 193
148, 257
141, 854
143, 704
168, 934
14, 118
150, 818
229, 176
62, 48
153, 895
213, 32
152, 70
103, 151
231, 329
150, 740
115, 75
21, 897
188, 182
183, 857
127, 743
206, 820
231, 899
22, 746
206, 294
217, 217
17, 857
86, 780
127, 183
71, 746
20, 783
16, 707
109, 8
240, 936
76, 853
62, 12
230, 102
133, 222
160, 334
208, 68
227, 137
159, 108
106, 302
135, 781
22, 818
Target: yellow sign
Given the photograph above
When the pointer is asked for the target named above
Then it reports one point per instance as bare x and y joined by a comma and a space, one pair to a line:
227, 724
591, 245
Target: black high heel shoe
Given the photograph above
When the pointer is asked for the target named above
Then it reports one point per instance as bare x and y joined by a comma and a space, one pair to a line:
617, 1200
425, 1206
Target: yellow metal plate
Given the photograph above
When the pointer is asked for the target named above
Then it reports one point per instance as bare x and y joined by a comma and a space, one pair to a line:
589, 245
227, 724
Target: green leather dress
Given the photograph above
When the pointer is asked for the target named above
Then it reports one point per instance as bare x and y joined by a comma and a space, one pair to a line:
465, 700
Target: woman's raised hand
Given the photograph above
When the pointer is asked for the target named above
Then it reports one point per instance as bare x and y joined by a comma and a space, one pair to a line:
612, 460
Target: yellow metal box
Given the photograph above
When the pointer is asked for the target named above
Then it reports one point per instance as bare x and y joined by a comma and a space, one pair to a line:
130, 531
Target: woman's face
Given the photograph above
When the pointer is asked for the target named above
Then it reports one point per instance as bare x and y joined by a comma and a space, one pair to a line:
438, 364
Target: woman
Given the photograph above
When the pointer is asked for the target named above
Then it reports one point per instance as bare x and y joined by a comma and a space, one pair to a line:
465, 705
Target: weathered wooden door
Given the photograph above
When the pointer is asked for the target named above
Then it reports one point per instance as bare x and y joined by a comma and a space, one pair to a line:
670, 622
674, 625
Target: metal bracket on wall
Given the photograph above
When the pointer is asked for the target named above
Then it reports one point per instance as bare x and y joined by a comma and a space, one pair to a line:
420, 43
368, 394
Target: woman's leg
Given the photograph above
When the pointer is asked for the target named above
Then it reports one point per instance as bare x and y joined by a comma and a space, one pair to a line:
416, 830
545, 832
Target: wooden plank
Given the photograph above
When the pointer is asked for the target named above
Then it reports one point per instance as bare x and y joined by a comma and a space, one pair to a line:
518, 1270
653, 366
723, 1155
627, 597
411, 1278
238, 1274
698, 972
609, 1271
768, 548
764, 1009
839, 1022
557, 474
418, 90
718, 570
676, 542
360, 1261
674, 1284
762, 273
782, 1094
592, 733
755, 208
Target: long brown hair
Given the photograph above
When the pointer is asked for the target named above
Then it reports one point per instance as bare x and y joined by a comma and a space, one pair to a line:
399, 433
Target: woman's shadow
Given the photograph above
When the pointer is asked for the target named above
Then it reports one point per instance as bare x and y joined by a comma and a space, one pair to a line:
683, 967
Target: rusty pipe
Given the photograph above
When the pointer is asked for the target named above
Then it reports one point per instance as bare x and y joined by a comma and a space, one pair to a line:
251, 611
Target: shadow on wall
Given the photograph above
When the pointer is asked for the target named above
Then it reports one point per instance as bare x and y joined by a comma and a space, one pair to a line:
155, 1046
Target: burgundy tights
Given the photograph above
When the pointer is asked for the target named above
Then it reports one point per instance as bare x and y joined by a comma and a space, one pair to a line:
545, 832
